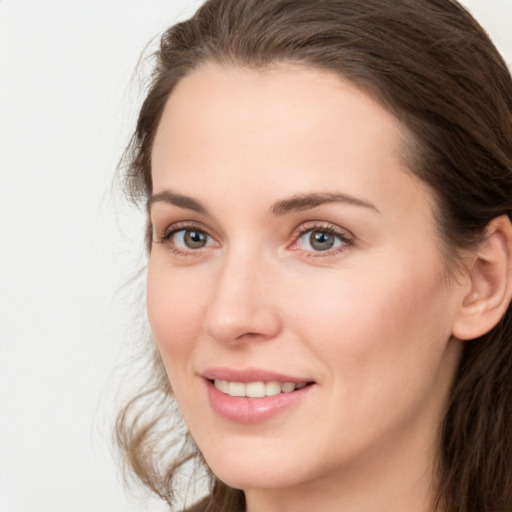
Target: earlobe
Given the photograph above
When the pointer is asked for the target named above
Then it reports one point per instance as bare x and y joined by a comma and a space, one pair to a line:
490, 275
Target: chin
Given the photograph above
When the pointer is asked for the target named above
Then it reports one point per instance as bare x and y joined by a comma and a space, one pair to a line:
257, 469
252, 478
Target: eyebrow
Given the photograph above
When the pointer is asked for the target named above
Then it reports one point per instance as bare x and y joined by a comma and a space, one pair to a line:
303, 202
177, 200
296, 203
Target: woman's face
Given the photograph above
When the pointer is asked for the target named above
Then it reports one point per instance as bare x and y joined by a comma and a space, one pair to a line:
296, 263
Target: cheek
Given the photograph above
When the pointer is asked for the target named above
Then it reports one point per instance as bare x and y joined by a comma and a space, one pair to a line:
367, 321
382, 339
175, 310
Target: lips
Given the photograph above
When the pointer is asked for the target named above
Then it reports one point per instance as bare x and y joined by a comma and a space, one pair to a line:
251, 375
253, 396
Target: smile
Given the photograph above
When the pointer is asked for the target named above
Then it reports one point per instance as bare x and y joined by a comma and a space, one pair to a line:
258, 389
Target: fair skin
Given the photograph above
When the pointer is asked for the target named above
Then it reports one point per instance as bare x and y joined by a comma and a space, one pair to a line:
345, 292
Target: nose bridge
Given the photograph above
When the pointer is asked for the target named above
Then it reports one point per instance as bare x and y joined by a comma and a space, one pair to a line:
241, 305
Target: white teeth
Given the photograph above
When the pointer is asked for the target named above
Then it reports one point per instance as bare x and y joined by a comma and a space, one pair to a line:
222, 385
272, 388
257, 389
288, 387
236, 389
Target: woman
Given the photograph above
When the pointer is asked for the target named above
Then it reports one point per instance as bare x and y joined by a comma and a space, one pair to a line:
329, 187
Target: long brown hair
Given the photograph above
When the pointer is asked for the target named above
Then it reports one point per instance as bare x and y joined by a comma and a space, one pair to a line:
435, 68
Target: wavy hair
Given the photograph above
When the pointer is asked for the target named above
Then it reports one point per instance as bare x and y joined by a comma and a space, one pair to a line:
437, 71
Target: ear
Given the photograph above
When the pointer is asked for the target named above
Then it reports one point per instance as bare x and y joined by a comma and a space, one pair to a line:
490, 276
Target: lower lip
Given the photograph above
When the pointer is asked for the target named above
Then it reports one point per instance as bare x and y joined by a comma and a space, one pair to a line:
252, 410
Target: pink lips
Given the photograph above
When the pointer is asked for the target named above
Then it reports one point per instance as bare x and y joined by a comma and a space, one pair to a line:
251, 410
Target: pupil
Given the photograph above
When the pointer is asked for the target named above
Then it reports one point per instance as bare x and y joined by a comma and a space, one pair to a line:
195, 239
321, 241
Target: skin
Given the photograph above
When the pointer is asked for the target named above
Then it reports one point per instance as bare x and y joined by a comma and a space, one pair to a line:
370, 321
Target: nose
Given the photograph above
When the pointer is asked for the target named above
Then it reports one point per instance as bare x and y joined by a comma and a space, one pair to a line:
242, 306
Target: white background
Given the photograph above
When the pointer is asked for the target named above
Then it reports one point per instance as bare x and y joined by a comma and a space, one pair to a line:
68, 102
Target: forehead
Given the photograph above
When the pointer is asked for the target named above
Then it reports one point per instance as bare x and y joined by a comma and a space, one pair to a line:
287, 99
299, 126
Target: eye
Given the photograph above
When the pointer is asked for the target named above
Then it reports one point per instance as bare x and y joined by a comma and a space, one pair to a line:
185, 240
318, 239
313, 240
190, 239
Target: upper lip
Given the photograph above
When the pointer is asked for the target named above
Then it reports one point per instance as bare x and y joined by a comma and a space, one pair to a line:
250, 375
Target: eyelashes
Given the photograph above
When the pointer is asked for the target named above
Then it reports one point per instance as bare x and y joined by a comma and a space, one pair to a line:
320, 239
191, 239
187, 239
317, 239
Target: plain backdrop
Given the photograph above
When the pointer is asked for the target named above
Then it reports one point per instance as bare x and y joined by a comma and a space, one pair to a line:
68, 245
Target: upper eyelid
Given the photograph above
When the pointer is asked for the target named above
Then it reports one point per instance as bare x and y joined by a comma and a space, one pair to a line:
304, 227
174, 227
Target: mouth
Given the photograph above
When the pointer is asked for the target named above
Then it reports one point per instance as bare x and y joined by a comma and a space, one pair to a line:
254, 395
257, 389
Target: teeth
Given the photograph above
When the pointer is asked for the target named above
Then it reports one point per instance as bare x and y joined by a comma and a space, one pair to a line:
287, 387
236, 389
272, 388
257, 389
223, 386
